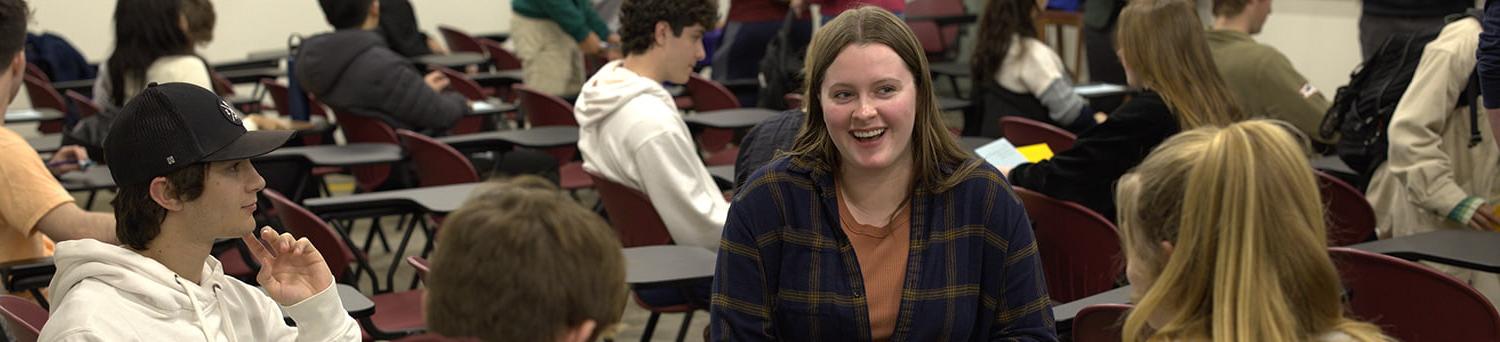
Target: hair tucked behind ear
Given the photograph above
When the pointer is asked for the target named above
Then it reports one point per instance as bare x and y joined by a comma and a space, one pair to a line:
1249, 262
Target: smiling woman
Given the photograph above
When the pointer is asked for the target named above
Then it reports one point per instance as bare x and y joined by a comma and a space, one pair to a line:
819, 245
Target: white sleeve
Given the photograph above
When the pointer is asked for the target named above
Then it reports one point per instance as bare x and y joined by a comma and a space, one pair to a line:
680, 187
187, 69
319, 318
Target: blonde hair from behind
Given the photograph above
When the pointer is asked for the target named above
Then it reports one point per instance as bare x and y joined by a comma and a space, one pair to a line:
932, 146
1162, 44
1240, 206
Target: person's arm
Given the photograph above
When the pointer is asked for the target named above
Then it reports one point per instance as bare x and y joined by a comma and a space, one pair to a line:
1416, 153
1489, 55
1290, 96
296, 278
679, 186
69, 222
412, 100
398, 23
1045, 78
573, 20
1100, 155
1025, 313
746, 273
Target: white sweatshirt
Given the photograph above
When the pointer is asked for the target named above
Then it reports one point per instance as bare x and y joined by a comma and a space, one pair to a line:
103, 292
631, 133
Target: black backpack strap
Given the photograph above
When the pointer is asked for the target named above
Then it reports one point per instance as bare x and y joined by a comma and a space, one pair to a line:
1473, 95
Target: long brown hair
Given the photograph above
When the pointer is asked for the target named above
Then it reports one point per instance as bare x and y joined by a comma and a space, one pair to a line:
1162, 44
932, 146
1249, 259
1001, 25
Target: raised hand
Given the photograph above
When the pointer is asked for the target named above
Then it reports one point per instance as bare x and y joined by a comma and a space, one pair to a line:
290, 269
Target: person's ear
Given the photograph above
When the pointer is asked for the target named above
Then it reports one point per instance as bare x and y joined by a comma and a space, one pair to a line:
1166, 249
17, 65
374, 9
662, 33
164, 195
580, 332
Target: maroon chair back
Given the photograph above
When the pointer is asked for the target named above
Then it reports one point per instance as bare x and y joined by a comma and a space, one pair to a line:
499, 56
302, 223
1080, 249
280, 96
631, 214
935, 40
364, 129
542, 109
1022, 131
436, 163
1100, 323
471, 90
458, 41
1393, 293
1350, 217
42, 95
222, 86
36, 71
419, 264
24, 318
709, 95
86, 106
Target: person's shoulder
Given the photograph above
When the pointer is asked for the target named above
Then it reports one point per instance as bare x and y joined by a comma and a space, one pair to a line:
178, 63
977, 176
781, 172
1142, 105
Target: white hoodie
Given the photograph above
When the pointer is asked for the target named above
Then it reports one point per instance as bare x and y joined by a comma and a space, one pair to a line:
104, 292
631, 133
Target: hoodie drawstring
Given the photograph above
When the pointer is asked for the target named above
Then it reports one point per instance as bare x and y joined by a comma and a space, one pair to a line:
193, 301
225, 324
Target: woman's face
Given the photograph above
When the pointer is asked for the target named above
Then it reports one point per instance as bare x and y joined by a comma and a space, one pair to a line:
869, 101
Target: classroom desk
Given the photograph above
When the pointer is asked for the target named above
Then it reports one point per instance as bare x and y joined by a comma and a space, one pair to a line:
497, 79
238, 76
28, 275
258, 60
1469, 249
535, 137
722, 173
949, 104
454, 60
271, 54
354, 154
22, 115
667, 264
83, 86
1067, 311
498, 37
491, 106
950, 69
974, 143
47, 143
729, 118
94, 179
1332, 163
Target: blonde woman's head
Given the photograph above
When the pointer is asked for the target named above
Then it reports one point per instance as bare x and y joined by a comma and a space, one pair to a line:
1163, 48
1224, 238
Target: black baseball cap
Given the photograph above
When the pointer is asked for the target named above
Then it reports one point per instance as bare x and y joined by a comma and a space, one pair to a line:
172, 125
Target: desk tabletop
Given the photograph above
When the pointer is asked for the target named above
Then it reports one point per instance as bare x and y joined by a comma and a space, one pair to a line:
535, 137
452, 60
1470, 249
84, 86
722, 173
95, 178
502, 78
974, 143
948, 104
251, 75
667, 263
730, 118
1067, 311
343, 155
46, 143
491, 106
20, 115
1332, 163
436, 199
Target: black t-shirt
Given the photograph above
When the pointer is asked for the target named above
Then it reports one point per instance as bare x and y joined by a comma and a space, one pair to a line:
1416, 8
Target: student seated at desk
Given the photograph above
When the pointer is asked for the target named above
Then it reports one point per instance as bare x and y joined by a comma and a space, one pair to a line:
1163, 50
154, 42
560, 266
352, 70
1020, 75
877, 225
182, 163
1264, 79
1225, 240
34, 208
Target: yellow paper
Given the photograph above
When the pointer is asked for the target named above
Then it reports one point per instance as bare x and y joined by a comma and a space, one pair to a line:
1035, 153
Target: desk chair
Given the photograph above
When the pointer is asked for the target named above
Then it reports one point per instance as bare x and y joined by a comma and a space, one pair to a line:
1100, 323
1022, 131
369, 178
708, 96
1350, 217
503, 60
1411, 302
459, 41
636, 221
436, 164
86, 106
397, 314
42, 95
939, 40
34, 70
542, 109
1080, 249
1061, 20
463, 85
23, 319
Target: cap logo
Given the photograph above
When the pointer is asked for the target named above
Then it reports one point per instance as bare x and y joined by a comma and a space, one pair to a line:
171, 160
229, 114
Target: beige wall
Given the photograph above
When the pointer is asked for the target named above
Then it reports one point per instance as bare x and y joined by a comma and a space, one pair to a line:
1321, 37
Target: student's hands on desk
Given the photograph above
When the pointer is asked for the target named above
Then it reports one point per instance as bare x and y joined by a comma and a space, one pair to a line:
68, 159
1485, 219
436, 80
291, 269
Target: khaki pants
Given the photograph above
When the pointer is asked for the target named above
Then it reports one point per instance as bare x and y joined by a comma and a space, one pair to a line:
550, 59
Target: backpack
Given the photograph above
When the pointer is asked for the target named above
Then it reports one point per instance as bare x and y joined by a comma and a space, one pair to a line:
57, 58
781, 67
1361, 110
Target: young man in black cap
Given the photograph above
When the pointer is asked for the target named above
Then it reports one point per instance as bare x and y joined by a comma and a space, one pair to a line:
181, 159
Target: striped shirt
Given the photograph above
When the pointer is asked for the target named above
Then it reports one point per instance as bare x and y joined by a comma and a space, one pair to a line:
786, 271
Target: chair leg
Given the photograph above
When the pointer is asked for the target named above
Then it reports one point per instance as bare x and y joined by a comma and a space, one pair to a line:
687, 319
650, 326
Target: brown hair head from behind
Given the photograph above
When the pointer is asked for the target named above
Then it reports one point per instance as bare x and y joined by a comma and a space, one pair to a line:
541, 263
1163, 48
932, 145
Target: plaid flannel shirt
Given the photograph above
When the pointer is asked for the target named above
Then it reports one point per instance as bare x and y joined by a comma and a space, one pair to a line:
786, 271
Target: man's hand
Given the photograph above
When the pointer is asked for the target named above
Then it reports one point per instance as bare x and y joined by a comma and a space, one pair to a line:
590, 44
437, 49
291, 269
1484, 218
68, 159
436, 81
